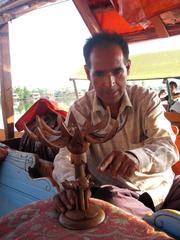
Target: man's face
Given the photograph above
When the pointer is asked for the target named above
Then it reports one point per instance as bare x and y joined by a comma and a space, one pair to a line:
172, 88
108, 73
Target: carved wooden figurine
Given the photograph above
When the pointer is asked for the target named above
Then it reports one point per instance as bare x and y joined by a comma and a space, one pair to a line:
77, 140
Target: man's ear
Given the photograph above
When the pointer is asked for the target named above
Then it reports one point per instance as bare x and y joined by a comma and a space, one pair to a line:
88, 76
87, 71
128, 66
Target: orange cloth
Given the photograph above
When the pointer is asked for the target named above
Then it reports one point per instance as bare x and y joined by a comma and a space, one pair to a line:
40, 107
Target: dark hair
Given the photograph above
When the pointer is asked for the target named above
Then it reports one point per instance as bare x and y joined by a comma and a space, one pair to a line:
172, 83
98, 39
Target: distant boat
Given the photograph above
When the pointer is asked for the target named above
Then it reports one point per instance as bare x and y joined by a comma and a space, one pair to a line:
15, 97
36, 95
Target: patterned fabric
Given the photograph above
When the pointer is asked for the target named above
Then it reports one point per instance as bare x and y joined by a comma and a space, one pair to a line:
147, 134
39, 221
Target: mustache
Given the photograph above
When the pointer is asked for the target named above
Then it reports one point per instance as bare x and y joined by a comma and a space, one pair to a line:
111, 90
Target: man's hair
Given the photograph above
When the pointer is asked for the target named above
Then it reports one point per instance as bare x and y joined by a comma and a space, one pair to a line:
104, 38
172, 83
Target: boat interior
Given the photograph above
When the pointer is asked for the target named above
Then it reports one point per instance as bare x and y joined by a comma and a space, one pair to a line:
25, 164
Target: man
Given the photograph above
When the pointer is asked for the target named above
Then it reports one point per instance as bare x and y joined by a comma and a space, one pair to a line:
133, 169
174, 92
175, 96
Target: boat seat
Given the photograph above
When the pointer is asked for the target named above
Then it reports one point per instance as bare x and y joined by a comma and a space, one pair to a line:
174, 118
176, 166
166, 220
18, 186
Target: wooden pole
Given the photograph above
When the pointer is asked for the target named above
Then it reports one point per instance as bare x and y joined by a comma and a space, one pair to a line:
5, 82
86, 14
75, 87
159, 26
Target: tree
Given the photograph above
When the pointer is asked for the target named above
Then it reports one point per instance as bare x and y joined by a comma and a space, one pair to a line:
23, 93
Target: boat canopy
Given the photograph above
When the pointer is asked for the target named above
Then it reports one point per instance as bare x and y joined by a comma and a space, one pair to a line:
136, 20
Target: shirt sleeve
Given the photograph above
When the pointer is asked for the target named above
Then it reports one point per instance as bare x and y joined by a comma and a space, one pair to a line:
63, 168
159, 151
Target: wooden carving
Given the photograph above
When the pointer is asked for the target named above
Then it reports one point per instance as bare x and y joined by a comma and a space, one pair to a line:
84, 215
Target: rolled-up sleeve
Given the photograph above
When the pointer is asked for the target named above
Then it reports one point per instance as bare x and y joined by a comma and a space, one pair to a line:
63, 168
159, 151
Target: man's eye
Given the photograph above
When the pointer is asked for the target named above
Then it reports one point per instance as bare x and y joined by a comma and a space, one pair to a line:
117, 71
99, 74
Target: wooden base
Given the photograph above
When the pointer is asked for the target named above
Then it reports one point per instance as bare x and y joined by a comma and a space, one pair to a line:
78, 219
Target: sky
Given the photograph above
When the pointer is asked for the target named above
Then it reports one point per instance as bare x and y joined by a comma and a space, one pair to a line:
46, 49
155, 45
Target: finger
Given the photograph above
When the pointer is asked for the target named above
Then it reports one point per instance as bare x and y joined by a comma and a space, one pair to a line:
69, 185
105, 164
116, 165
130, 171
123, 170
57, 204
65, 200
125, 163
71, 195
122, 165
132, 165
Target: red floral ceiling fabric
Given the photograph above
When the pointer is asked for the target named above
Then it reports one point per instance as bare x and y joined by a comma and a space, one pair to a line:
127, 16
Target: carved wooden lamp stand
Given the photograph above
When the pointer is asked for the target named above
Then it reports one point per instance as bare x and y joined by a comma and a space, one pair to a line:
85, 215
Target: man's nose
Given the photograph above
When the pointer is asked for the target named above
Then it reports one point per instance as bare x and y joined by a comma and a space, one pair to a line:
111, 81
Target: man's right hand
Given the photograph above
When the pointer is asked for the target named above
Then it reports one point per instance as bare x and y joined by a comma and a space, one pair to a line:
65, 200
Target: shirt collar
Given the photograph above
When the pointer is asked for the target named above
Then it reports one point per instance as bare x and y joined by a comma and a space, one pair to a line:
97, 106
126, 102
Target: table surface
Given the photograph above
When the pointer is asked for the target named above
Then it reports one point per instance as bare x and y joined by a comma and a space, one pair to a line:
39, 220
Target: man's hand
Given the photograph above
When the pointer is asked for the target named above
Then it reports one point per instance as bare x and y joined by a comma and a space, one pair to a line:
119, 163
68, 199
3, 153
64, 200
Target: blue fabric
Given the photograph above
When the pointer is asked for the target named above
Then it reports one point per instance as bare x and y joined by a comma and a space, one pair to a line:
166, 220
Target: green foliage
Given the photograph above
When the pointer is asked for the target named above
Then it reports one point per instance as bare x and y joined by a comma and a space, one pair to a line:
23, 93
